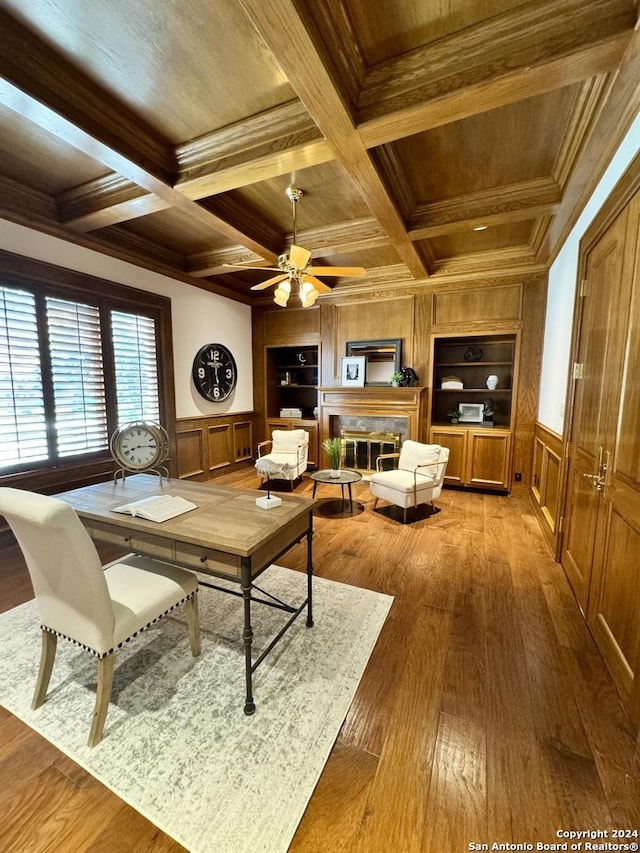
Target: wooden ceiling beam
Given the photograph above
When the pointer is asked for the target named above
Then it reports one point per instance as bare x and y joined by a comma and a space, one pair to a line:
104, 202
555, 43
263, 146
286, 35
512, 203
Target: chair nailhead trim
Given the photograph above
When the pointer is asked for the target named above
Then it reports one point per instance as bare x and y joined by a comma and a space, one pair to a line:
120, 645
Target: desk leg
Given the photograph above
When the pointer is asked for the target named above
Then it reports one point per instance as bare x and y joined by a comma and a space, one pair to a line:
247, 634
310, 572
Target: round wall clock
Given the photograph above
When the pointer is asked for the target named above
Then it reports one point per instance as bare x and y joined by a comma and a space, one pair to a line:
140, 446
214, 372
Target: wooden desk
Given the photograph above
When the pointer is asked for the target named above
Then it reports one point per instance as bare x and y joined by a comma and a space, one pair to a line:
227, 536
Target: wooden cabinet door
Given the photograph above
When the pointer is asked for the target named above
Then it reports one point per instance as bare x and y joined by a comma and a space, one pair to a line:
456, 441
488, 458
593, 422
314, 435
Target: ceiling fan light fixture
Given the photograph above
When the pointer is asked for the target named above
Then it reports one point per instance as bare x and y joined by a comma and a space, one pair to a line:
281, 294
308, 294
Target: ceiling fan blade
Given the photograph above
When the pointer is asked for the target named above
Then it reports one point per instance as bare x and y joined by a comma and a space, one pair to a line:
320, 286
299, 257
276, 278
339, 271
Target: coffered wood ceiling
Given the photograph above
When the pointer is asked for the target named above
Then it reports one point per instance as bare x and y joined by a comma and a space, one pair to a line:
165, 132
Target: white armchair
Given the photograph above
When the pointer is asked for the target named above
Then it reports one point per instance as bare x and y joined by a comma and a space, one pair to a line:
98, 610
417, 479
283, 456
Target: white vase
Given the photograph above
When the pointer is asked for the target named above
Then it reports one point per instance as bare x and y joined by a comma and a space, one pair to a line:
492, 382
334, 472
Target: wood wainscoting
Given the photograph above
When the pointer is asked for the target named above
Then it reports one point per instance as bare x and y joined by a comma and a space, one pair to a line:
547, 483
211, 445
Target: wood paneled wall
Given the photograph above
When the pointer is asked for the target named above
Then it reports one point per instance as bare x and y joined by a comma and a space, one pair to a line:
211, 445
413, 314
547, 483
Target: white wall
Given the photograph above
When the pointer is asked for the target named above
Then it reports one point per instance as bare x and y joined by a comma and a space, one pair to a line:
561, 291
198, 317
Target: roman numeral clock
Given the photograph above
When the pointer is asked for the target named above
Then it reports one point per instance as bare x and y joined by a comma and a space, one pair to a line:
214, 372
140, 447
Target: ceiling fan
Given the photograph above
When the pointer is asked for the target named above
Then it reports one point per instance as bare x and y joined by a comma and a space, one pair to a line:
294, 266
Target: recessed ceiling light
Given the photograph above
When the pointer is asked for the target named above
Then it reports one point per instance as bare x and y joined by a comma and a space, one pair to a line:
480, 227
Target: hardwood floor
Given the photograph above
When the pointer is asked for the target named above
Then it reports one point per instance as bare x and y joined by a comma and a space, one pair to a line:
485, 715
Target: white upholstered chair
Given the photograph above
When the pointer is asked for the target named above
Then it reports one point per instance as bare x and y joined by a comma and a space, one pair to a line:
284, 456
417, 479
97, 609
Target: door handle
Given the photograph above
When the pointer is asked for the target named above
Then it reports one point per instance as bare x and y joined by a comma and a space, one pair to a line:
599, 479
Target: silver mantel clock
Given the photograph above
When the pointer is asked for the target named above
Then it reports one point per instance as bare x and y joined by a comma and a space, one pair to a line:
140, 447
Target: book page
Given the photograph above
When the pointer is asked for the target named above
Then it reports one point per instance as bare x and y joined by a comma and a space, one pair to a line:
157, 508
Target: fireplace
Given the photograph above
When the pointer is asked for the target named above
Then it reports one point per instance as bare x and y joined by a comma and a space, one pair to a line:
371, 420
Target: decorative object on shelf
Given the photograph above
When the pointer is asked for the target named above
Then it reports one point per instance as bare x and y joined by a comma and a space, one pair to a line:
409, 377
473, 353
488, 410
492, 382
453, 416
214, 372
396, 378
302, 358
293, 266
333, 448
140, 446
352, 370
471, 413
451, 383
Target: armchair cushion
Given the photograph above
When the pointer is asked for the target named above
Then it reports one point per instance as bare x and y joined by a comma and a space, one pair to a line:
414, 454
288, 440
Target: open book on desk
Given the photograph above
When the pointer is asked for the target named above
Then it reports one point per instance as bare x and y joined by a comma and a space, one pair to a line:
157, 507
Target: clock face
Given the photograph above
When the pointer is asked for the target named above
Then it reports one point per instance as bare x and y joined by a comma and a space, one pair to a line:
138, 446
214, 372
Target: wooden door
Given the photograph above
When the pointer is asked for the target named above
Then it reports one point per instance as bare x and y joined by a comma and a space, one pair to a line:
488, 458
601, 553
456, 441
614, 604
599, 359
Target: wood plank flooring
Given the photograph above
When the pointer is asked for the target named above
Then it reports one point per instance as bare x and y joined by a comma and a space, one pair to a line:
485, 715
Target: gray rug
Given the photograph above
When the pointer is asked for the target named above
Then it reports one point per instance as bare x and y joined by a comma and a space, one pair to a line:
177, 745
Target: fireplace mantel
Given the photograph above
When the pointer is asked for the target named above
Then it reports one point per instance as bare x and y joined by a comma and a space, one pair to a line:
376, 401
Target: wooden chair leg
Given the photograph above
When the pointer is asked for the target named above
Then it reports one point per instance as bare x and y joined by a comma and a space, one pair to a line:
193, 623
103, 695
47, 657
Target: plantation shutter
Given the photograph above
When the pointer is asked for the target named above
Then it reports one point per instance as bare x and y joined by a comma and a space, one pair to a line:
23, 429
136, 365
78, 377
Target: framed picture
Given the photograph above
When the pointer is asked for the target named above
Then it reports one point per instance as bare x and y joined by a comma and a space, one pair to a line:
352, 371
471, 412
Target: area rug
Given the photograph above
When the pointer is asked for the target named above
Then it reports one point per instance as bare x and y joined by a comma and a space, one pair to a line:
177, 745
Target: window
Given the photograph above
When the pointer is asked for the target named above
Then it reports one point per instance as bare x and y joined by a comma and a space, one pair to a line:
70, 371
23, 427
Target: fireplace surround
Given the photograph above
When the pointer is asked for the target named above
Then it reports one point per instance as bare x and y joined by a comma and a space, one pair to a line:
372, 409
